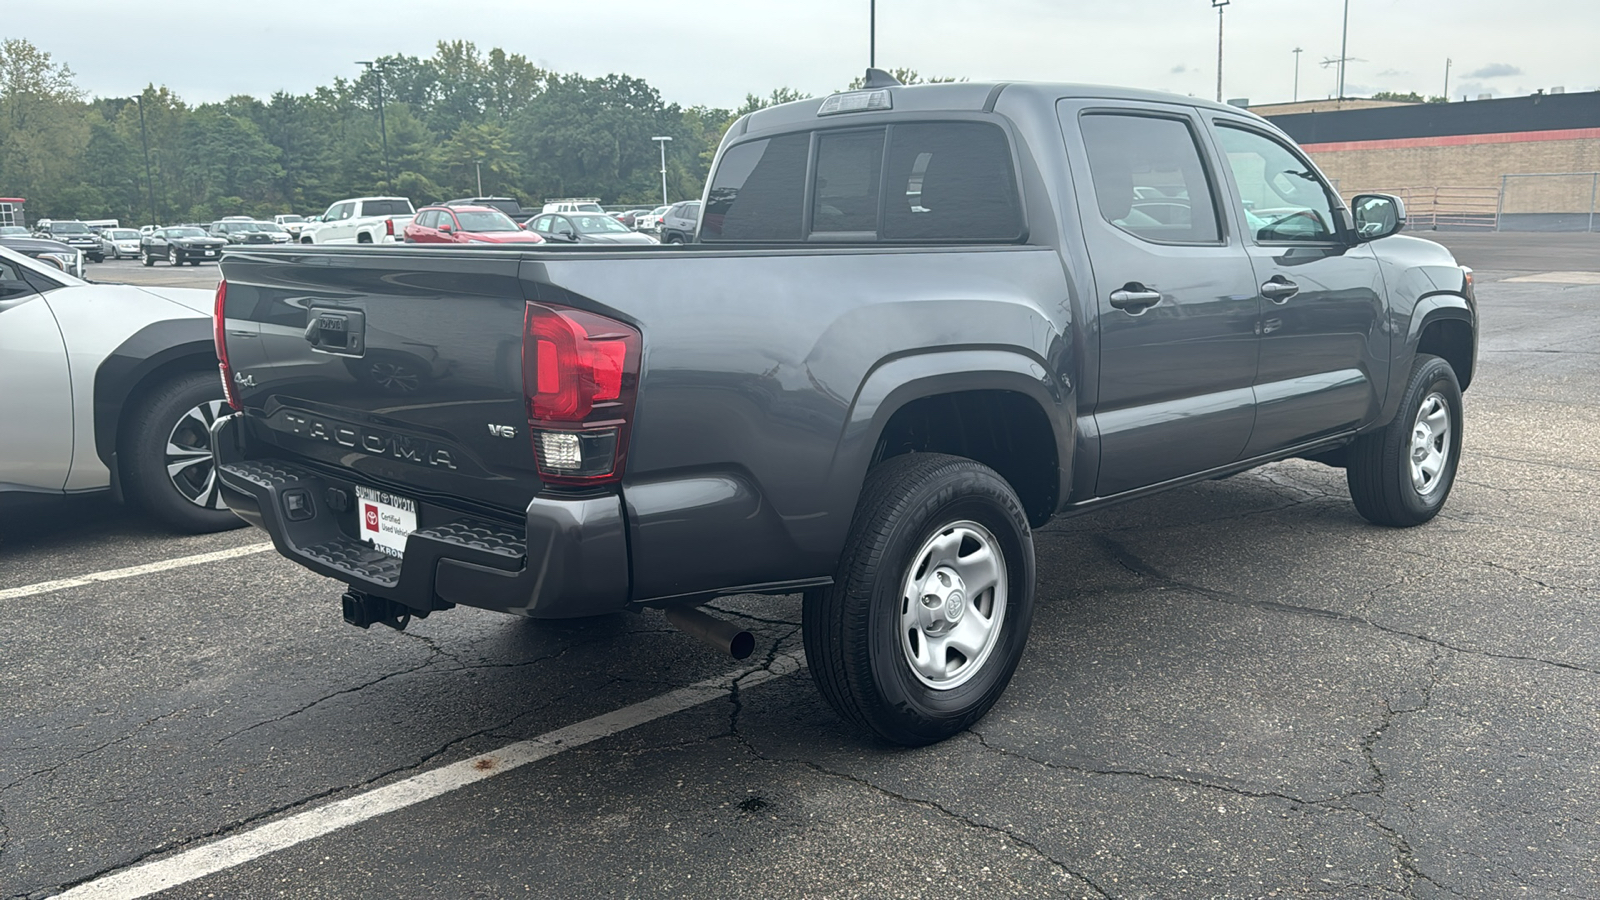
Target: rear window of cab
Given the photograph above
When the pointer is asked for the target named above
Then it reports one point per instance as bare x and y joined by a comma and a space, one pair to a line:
904, 182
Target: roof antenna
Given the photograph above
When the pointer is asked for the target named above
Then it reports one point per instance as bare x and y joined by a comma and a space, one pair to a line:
878, 78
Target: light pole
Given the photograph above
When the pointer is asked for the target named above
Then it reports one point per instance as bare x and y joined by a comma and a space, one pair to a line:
662, 140
479, 164
1344, 48
1447, 62
383, 126
149, 180
872, 34
1297, 52
1218, 5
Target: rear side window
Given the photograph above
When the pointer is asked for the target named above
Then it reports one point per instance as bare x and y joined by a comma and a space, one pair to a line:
1148, 178
951, 181
758, 193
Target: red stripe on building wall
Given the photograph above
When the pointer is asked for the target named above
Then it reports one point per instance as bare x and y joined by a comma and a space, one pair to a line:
1458, 140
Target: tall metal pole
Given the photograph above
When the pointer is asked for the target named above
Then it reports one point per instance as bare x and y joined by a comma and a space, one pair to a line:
1219, 4
872, 34
149, 180
479, 164
1297, 52
383, 127
662, 140
1344, 48
1447, 62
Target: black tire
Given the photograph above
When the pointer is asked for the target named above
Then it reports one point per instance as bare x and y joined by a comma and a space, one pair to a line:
148, 259
856, 647
363, 238
162, 414
1387, 483
173, 257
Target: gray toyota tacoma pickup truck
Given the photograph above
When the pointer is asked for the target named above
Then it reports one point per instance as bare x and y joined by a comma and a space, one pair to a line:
917, 322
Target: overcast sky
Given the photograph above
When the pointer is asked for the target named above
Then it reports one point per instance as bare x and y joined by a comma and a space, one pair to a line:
713, 52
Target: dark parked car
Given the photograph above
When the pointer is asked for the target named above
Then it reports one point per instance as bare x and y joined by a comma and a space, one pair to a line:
74, 234
679, 223
466, 225
180, 244
246, 231
917, 325
584, 228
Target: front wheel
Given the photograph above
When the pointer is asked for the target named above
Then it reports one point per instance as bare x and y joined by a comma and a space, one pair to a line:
929, 611
1401, 474
148, 259
173, 258
165, 454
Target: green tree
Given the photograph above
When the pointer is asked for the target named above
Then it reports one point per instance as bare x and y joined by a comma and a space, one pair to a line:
43, 130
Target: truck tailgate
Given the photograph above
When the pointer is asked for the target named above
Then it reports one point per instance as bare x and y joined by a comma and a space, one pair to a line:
409, 378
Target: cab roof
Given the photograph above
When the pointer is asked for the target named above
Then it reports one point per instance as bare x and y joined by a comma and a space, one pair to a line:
963, 96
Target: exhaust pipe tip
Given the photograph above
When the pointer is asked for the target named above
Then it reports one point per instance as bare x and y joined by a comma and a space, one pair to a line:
719, 633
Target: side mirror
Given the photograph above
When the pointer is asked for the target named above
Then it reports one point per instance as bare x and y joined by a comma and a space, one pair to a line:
1377, 215
446, 228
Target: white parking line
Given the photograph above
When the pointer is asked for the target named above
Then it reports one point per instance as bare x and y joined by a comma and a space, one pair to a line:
199, 559
149, 878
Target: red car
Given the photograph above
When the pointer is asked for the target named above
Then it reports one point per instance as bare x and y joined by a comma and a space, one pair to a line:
466, 225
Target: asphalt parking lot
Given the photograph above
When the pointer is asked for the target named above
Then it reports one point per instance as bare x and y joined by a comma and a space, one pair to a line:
1238, 689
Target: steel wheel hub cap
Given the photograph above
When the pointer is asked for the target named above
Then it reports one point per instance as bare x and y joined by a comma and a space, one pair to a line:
188, 456
953, 603
1430, 444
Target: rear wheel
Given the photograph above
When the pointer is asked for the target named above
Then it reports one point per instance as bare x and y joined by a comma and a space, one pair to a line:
929, 611
1401, 474
166, 454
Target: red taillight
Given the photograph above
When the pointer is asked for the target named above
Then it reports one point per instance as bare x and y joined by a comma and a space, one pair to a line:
388, 226
580, 372
218, 326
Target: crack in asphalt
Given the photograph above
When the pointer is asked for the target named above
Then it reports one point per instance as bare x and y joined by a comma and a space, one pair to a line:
1192, 781
252, 819
436, 652
736, 708
50, 771
323, 699
967, 821
1130, 561
1404, 854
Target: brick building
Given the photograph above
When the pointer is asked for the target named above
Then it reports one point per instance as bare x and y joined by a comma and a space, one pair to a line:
1467, 164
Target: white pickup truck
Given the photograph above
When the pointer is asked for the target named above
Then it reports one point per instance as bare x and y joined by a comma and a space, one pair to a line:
362, 220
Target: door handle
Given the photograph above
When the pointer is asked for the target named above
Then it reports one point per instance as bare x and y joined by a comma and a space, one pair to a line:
1279, 289
1135, 298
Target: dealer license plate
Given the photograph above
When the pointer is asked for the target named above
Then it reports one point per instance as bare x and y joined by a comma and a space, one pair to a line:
386, 519
211, 253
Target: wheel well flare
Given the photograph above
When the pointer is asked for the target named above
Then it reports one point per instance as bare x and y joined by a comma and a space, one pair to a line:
1004, 430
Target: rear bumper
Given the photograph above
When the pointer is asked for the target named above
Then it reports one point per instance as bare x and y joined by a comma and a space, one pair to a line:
569, 558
